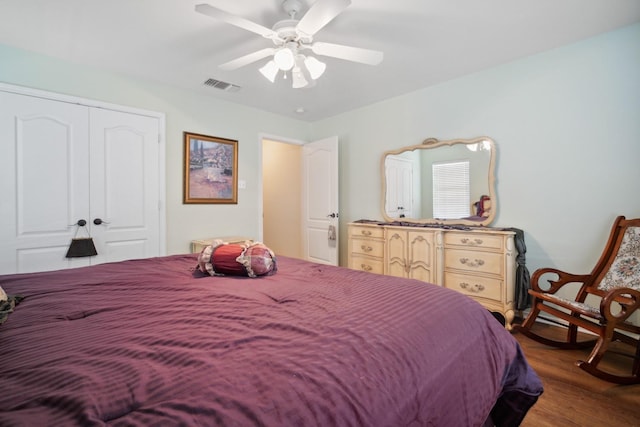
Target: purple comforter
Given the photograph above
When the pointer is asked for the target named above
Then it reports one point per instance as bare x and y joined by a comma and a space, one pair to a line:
153, 343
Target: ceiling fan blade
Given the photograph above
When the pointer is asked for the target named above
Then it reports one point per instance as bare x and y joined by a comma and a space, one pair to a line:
235, 20
247, 59
355, 54
320, 14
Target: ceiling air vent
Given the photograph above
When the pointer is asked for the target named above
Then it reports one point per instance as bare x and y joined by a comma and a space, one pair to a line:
222, 85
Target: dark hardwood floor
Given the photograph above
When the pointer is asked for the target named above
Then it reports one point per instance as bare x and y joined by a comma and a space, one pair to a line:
571, 396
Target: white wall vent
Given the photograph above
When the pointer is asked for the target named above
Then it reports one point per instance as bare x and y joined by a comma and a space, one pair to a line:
218, 84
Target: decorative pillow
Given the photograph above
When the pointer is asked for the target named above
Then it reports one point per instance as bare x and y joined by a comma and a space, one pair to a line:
219, 259
258, 260
483, 206
224, 260
232, 259
486, 207
7, 304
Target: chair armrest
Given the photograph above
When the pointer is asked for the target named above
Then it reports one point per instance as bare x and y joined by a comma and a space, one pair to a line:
629, 300
563, 279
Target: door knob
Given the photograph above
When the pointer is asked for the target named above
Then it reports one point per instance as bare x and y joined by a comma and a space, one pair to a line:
99, 221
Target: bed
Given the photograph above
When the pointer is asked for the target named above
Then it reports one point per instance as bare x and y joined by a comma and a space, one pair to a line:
155, 342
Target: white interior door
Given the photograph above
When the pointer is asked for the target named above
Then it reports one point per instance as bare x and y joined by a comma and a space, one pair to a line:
399, 176
44, 182
320, 201
124, 208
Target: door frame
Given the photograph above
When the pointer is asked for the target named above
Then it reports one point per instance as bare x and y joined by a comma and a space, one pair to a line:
261, 138
162, 232
260, 192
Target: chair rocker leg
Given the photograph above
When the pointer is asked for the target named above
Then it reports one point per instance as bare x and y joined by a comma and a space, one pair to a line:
591, 365
607, 376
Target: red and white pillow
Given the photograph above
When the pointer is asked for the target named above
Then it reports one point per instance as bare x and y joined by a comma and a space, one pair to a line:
232, 259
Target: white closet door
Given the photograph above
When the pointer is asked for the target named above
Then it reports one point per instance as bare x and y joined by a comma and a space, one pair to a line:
44, 181
124, 192
62, 162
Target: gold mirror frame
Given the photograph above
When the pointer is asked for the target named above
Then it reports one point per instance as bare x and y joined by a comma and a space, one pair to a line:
433, 143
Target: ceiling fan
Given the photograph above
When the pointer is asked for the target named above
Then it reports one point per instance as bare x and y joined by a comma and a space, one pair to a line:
292, 39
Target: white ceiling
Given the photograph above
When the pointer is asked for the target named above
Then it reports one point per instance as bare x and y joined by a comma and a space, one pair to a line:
425, 42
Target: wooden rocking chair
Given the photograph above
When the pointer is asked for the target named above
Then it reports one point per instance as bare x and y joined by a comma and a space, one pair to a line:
615, 281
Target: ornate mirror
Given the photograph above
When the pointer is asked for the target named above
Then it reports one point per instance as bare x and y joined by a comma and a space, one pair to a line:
440, 182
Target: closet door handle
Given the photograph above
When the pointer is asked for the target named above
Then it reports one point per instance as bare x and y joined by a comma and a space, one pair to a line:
99, 221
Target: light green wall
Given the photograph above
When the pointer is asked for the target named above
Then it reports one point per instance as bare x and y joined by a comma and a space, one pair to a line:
184, 111
567, 127
566, 123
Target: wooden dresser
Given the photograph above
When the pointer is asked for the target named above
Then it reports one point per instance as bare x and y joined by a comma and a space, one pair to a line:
478, 262
366, 248
411, 252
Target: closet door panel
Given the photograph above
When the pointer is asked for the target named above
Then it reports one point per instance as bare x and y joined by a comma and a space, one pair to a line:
43, 182
124, 185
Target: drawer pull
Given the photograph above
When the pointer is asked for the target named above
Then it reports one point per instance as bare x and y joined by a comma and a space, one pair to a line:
475, 288
471, 242
365, 267
366, 232
469, 263
366, 248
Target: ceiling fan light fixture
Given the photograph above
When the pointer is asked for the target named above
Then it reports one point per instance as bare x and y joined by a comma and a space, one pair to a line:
284, 59
292, 36
270, 70
299, 74
315, 67
298, 79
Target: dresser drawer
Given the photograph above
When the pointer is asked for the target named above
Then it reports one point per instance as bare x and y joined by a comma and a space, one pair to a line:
474, 261
475, 240
371, 265
374, 248
474, 286
373, 232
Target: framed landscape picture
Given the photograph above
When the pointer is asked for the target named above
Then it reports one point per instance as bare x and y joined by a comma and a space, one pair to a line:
210, 169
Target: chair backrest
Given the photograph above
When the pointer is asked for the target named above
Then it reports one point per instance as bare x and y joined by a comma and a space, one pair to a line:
619, 265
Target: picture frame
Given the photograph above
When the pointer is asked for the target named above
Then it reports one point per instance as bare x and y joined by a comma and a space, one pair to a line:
210, 169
